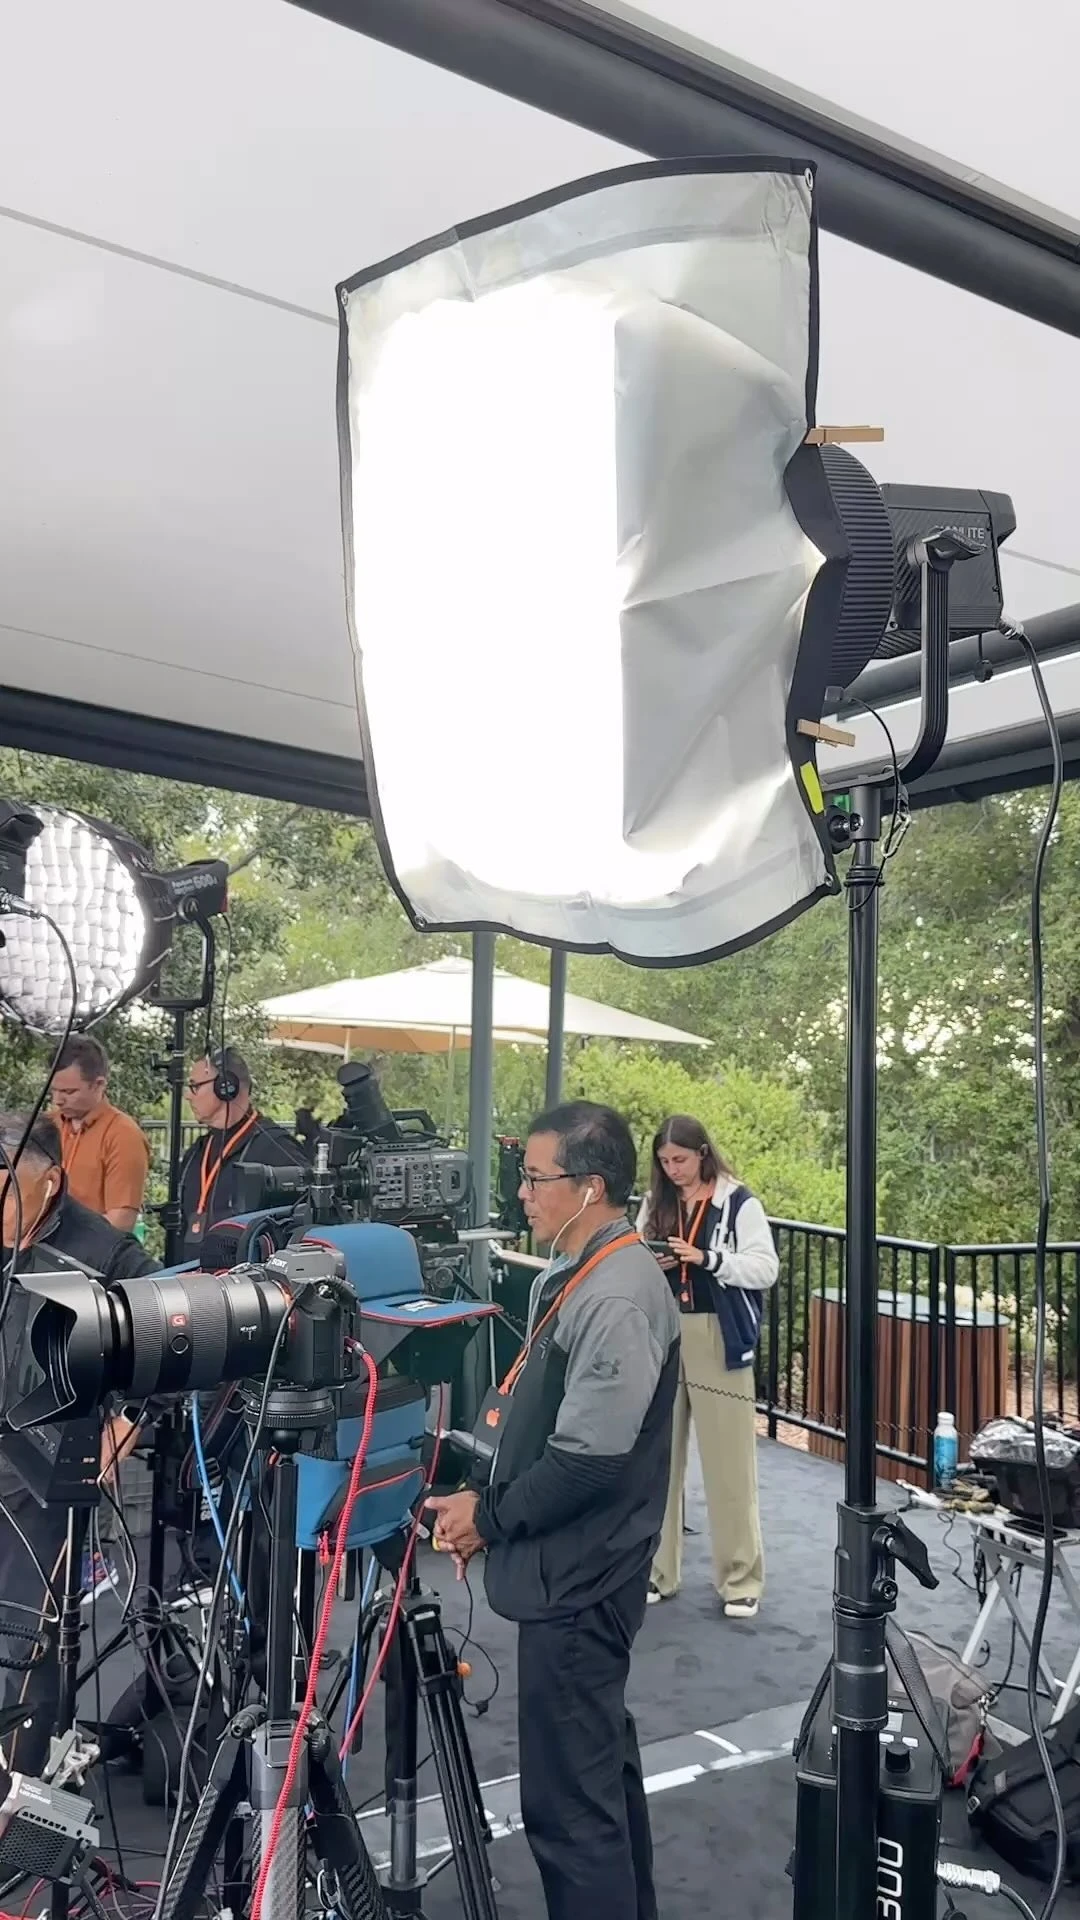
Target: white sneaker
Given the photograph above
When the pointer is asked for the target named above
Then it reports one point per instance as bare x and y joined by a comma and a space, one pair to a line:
99, 1575
740, 1609
654, 1596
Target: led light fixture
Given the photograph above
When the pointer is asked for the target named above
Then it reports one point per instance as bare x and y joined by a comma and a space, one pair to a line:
596, 576
96, 887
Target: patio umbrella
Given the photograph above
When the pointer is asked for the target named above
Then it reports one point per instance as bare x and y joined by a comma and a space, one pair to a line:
428, 1010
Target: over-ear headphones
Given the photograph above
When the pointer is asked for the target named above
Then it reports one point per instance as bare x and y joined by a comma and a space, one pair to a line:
226, 1080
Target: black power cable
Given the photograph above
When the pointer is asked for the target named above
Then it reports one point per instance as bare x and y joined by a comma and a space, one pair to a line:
1041, 1240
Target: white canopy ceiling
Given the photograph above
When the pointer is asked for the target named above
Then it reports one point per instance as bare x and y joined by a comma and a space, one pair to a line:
428, 1009
183, 191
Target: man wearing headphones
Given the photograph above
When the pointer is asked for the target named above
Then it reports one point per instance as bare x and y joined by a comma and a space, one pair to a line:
219, 1095
573, 1510
46, 1231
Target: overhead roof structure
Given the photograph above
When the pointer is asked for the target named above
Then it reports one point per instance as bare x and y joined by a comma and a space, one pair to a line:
183, 191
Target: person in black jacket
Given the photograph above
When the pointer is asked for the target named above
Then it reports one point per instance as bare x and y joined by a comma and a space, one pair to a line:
571, 1515
46, 1231
219, 1095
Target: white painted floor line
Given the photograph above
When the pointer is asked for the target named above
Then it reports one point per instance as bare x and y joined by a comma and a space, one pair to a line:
717, 1741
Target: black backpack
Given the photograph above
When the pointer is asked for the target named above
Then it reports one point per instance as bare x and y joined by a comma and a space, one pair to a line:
1009, 1801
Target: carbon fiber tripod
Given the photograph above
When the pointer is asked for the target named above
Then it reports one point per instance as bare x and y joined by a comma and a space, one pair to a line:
251, 1765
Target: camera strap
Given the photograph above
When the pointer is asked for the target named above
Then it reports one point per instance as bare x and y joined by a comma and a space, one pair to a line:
209, 1173
498, 1398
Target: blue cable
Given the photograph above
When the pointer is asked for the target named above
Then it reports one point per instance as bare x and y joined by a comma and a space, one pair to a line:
208, 1491
354, 1677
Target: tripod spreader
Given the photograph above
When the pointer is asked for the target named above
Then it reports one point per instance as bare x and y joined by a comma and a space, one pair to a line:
251, 1766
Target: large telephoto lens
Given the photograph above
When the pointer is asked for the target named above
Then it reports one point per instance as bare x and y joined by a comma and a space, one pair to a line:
68, 1342
179, 1337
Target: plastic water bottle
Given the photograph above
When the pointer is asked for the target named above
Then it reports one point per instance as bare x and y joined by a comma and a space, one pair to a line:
945, 1452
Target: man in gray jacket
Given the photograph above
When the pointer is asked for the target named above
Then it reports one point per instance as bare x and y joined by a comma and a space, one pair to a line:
572, 1512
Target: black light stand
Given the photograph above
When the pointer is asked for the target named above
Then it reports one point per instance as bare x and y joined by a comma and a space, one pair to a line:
200, 892
870, 1540
173, 1064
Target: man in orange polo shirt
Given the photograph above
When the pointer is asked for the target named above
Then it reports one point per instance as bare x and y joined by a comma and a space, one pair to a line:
106, 1153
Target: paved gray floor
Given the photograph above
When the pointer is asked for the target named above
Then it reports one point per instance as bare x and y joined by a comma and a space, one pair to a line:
715, 1702
693, 1669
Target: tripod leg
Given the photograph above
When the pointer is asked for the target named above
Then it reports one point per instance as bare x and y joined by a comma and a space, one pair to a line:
283, 1895
218, 1802
338, 1838
405, 1885
440, 1688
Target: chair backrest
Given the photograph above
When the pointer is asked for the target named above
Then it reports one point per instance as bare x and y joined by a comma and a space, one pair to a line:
381, 1263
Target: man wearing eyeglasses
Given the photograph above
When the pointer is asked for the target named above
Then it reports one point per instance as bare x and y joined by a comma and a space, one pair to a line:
219, 1095
573, 1509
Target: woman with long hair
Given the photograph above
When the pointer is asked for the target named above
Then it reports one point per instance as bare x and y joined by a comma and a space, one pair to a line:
720, 1259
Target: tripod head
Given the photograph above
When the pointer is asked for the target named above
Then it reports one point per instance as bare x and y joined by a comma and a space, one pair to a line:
292, 1417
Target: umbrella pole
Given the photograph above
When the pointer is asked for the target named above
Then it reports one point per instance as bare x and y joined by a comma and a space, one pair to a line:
481, 1092
450, 1082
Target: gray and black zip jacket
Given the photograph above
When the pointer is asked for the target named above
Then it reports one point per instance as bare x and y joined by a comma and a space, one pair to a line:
575, 1503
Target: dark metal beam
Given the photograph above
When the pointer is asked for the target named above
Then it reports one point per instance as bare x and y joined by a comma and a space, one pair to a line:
659, 94
885, 683
1008, 762
140, 743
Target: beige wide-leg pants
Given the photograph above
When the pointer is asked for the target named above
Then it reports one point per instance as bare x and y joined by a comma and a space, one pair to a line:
721, 1405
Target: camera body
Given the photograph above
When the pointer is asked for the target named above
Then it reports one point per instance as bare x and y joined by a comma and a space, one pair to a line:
369, 1165
69, 1345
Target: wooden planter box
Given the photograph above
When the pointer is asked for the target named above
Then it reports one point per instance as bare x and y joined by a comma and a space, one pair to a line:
906, 1418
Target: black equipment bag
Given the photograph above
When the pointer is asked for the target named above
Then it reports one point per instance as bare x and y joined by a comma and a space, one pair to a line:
1009, 1801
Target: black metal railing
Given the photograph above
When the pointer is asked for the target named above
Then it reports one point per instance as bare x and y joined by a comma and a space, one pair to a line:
955, 1331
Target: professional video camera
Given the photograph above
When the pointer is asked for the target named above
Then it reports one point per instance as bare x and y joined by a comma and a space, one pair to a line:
69, 1344
371, 1164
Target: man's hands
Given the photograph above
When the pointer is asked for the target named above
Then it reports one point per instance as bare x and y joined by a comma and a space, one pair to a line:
118, 1437
455, 1527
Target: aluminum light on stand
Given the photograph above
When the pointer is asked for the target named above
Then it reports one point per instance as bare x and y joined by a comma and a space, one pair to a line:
597, 546
95, 886
583, 527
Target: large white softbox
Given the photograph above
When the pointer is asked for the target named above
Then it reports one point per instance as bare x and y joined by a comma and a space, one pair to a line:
578, 587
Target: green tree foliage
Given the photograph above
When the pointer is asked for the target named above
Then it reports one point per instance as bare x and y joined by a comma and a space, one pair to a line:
766, 1130
309, 903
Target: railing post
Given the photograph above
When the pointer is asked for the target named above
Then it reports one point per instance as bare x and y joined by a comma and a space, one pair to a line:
952, 1398
933, 1385
773, 1386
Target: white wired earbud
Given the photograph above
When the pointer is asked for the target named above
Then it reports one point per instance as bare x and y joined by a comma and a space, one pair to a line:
590, 1195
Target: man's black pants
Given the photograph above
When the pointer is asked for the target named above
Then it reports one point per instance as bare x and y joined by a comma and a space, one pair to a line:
22, 1599
582, 1797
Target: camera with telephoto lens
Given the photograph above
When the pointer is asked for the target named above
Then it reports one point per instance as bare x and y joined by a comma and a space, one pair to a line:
69, 1345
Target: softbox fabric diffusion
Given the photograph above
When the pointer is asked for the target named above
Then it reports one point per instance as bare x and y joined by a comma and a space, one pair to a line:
576, 584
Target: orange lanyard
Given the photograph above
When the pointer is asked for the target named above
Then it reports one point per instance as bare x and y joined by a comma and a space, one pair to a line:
210, 1173
686, 1290
613, 1246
